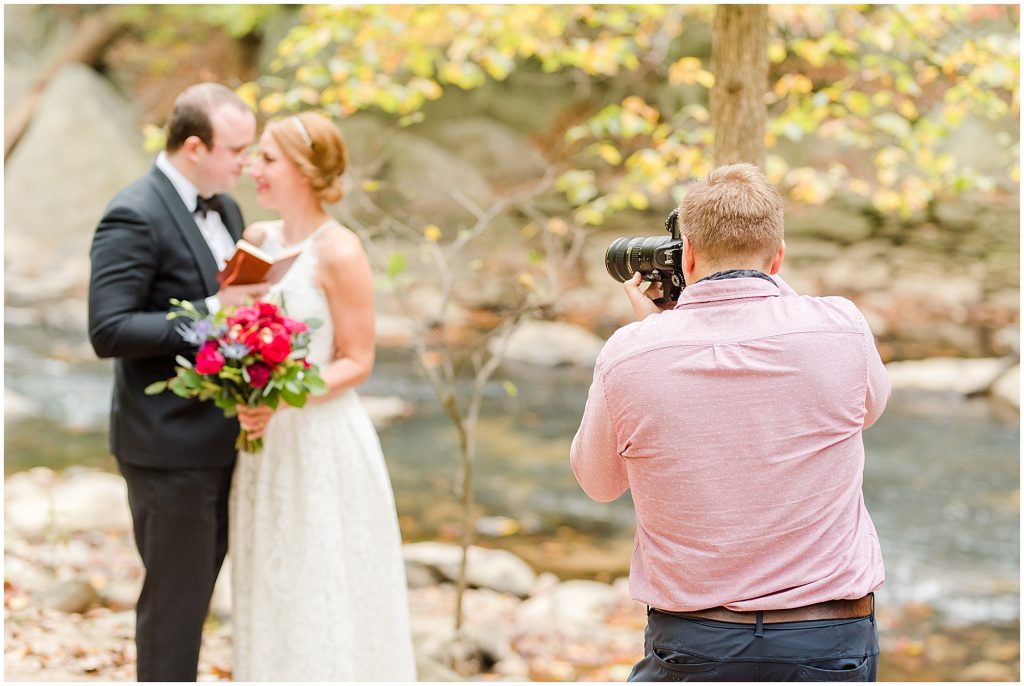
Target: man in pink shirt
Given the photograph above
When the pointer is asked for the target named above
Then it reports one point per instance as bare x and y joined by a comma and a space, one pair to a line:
735, 419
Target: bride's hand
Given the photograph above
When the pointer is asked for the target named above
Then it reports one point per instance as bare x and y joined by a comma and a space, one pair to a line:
254, 419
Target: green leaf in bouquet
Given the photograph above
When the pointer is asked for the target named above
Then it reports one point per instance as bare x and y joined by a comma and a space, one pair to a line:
156, 387
273, 400
293, 399
179, 388
314, 323
230, 373
227, 404
292, 387
183, 361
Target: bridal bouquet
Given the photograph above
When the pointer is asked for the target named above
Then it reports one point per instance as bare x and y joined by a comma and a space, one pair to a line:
251, 355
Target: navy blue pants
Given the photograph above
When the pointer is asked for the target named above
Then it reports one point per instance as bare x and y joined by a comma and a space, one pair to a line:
686, 649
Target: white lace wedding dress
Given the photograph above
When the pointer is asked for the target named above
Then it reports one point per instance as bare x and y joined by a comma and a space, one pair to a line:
318, 579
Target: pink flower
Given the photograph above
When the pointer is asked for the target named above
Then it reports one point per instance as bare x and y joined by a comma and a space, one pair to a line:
208, 360
295, 326
259, 374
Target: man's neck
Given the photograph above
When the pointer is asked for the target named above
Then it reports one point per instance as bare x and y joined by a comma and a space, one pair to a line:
181, 164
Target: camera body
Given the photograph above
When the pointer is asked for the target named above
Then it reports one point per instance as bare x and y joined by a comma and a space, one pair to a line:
657, 258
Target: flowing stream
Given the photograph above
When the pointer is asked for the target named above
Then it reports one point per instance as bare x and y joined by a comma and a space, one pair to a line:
942, 477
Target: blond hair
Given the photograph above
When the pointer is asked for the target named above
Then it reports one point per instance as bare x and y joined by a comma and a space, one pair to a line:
314, 144
733, 212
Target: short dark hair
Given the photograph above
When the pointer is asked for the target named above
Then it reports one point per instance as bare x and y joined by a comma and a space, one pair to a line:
191, 114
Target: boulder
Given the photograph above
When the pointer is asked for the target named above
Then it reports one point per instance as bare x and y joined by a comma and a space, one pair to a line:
498, 570
552, 344
18, 406
573, 607
27, 502
502, 154
58, 180
91, 500
964, 376
428, 179
385, 411
1007, 387
68, 596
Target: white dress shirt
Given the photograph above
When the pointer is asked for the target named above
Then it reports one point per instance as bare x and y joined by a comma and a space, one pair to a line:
218, 238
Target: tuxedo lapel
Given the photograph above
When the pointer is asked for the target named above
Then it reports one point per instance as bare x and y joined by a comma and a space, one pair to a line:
186, 224
231, 217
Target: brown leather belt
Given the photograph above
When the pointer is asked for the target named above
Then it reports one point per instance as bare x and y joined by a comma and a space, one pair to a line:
830, 609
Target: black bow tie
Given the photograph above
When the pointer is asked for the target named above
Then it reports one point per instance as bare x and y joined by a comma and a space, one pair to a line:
204, 205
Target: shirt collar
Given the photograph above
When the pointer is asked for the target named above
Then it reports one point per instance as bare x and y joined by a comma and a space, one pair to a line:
186, 189
727, 289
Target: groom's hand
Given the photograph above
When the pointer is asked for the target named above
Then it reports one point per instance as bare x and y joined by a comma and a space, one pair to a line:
234, 296
254, 419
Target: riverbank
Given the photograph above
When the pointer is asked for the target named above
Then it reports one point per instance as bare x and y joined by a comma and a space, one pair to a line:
72, 575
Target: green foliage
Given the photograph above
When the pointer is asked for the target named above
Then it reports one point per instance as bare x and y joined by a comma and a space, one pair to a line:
879, 87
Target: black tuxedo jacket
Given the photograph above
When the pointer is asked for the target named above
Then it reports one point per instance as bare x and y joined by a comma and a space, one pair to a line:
147, 250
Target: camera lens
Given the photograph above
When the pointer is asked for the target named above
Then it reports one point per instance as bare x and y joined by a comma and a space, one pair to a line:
625, 256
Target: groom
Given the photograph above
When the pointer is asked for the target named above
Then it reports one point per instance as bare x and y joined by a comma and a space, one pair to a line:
166, 236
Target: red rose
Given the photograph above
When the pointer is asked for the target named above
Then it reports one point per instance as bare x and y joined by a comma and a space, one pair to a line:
278, 349
268, 311
208, 360
259, 374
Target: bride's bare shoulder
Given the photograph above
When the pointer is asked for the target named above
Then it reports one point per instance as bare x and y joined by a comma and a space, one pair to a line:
257, 232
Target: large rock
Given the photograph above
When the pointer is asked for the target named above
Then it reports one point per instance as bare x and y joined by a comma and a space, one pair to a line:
386, 410
498, 570
502, 154
429, 181
83, 146
573, 607
1007, 387
91, 500
947, 374
552, 344
68, 596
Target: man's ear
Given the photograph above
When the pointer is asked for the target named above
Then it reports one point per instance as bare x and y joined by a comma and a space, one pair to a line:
689, 259
779, 257
192, 147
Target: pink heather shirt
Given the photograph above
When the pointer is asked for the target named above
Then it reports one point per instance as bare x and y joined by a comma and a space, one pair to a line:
735, 419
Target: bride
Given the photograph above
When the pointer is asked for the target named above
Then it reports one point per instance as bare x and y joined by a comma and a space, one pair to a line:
317, 572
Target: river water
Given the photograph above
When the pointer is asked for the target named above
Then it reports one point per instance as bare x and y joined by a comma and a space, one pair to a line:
941, 483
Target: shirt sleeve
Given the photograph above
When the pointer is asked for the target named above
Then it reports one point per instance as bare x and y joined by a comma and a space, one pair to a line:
596, 462
879, 386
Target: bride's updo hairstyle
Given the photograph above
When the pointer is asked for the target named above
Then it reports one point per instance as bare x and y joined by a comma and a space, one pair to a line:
314, 144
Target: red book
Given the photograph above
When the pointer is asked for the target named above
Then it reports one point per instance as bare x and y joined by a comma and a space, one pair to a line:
251, 265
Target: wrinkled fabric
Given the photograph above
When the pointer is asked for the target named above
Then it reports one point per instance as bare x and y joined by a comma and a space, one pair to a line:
736, 422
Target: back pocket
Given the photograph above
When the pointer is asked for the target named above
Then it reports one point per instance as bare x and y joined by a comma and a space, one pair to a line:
845, 669
678, 661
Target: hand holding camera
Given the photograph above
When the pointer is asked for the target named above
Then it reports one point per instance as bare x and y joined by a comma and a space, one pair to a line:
657, 259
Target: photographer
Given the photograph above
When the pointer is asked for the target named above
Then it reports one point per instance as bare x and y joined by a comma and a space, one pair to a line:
735, 417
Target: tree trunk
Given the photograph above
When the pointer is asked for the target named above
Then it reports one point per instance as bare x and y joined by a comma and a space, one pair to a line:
87, 46
739, 57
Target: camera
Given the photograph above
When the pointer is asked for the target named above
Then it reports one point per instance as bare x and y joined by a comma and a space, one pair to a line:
657, 258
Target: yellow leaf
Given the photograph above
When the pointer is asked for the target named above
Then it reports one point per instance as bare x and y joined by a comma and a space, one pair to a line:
530, 230
510, 388
432, 233
706, 79
272, 103
638, 200
526, 279
371, 185
609, 154
908, 109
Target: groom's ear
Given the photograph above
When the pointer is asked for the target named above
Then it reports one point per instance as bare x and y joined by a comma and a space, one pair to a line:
192, 146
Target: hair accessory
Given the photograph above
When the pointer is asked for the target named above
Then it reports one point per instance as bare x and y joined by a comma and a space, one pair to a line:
302, 130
